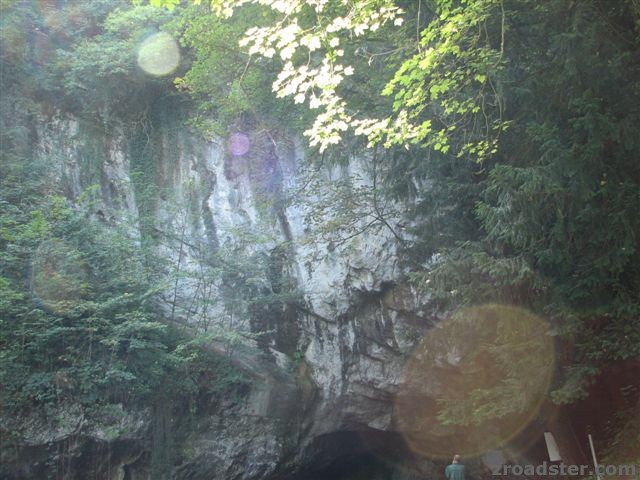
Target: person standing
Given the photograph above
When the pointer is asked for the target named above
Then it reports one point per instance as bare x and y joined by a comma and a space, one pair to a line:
455, 471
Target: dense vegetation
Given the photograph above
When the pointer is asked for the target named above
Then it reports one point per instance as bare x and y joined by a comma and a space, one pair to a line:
84, 346
505, 131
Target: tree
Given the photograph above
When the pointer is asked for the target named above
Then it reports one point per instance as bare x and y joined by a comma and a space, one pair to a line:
306, 36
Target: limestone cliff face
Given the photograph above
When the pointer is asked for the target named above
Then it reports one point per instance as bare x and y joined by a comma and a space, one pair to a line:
328, 367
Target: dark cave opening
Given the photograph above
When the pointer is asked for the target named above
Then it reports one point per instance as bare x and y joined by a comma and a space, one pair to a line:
363, 466
365, 454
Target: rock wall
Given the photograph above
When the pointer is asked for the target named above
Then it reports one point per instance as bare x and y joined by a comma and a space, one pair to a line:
328, 368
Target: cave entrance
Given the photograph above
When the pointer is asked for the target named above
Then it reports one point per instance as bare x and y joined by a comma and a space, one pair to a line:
362, 455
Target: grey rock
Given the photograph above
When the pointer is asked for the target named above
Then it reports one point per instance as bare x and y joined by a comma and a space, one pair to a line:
352, 330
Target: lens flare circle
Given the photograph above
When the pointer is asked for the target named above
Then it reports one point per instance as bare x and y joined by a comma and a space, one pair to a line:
239, 144
159, 54
475, 381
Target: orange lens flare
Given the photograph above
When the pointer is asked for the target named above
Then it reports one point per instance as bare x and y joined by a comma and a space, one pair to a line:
475, 381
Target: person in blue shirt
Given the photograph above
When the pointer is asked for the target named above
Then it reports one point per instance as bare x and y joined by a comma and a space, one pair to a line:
455, 471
